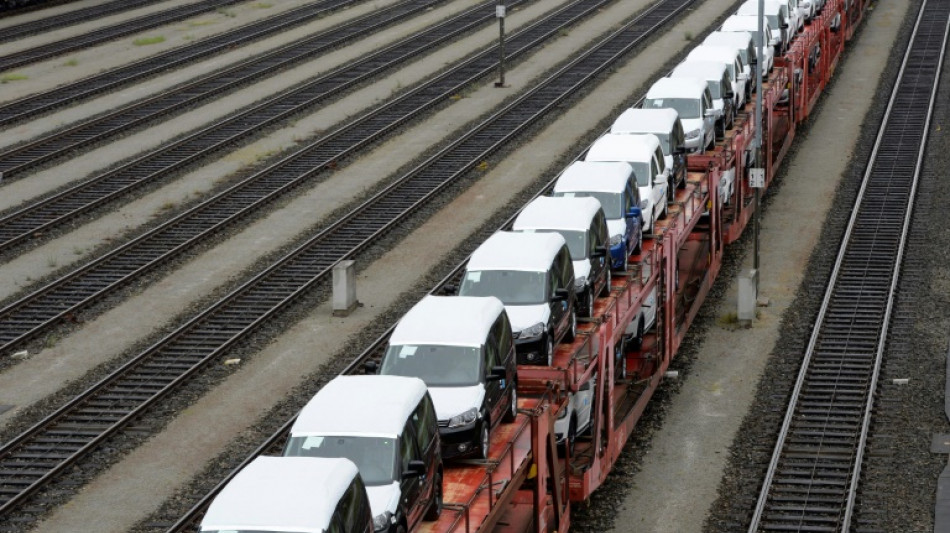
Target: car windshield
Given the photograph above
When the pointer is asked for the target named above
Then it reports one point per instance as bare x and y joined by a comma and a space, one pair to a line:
375, 457
612, 202
773, 20
664, 143
512, 287
576, 242
686, 107
437, 365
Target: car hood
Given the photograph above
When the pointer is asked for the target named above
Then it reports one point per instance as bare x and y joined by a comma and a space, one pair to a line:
618, 226
581, 268
523, 316
690, 124
383, 498
451, 401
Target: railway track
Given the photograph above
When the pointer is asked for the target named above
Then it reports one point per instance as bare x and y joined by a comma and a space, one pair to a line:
31, 106
129, 27
814, 476
35, 313
70, 18
37, 456
66, 142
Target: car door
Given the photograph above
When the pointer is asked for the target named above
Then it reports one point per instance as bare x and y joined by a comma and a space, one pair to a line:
558, 305
708, 121
425, 427
678, 148
411, 487
597, 241
658, 189
494, 389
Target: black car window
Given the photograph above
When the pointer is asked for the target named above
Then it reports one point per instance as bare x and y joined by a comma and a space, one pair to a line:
351, 506
660, 160
566, 268
505, 344
426, 423
407, 450
628, 201
336, 524
491, 351
679, 138
600, 222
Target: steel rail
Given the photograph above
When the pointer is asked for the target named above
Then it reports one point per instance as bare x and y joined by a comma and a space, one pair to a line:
128, 27
67, 142
33, 105
36, 312
70, 18
75, 429
813, 477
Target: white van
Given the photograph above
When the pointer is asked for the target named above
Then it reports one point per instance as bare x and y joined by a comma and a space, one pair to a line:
649, 167
720, 88
777, 16
582, 223
463, 349
750, 24
302, 494
666, 125
742, 42
731, 59
388, 427
693, 102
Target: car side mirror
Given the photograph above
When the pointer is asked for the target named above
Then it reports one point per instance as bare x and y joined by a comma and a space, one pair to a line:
415, 468
730, 95
560, 294
370, 367
600, 251
679, 150
659, 180
712, 113
783, 25
635, 212
450, 288
497, 373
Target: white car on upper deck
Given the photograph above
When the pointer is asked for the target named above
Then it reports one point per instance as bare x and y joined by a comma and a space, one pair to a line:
692, 101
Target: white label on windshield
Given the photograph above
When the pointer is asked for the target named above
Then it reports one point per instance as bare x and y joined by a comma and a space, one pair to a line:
407, 350
658, 103
312, 442
474, 277
568, 194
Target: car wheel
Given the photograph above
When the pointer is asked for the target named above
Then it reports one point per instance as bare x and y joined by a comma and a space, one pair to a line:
512, 411
571, 436
637, 340
639, 247
400, 529
572, 327
671, 188
606, 290
549, 348
589, 300
435, 508
484, 443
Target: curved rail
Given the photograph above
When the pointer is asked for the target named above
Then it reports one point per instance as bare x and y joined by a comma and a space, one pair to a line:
66, 142
75, 429
86, 88
812, 481
128, 27
69, 18
34, 313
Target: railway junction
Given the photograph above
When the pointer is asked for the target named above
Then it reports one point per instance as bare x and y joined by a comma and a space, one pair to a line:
180, 190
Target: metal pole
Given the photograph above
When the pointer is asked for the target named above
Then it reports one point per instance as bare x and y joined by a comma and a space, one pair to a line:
758, 136
500, 14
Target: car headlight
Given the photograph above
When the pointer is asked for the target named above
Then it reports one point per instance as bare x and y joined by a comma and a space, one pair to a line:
532, 331
579, 282
383, 521
616, 239
692, 134
464, 419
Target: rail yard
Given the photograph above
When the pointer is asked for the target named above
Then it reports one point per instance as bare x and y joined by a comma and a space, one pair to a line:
180, 179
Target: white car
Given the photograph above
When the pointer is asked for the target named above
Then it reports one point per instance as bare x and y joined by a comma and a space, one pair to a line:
649, 167
302, 494
644, 322
776, 16
575, 418
731, 59
666, 125
742, 42
693, 102
720, 88
750, 24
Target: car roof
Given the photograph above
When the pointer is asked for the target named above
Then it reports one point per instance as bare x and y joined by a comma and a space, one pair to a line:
639, 148
506, 250
708, 52
738, 39
751, 7
282, 494
448, 320
746, 23
707, 70
594, 176
549, 213
637, 120
352, 405
678, 88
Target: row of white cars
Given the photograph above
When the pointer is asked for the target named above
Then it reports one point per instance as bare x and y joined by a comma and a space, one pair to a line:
366, 453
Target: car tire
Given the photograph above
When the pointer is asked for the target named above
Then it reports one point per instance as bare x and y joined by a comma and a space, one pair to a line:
589, 298
571, 440
549, 348
435, 508
606, 290
400, 529
620, 373
484, 439
512, 411
637, 341
638, 248
571, 332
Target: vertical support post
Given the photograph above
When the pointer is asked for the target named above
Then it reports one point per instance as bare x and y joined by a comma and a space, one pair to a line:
500, 15
344, 288
758, 143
